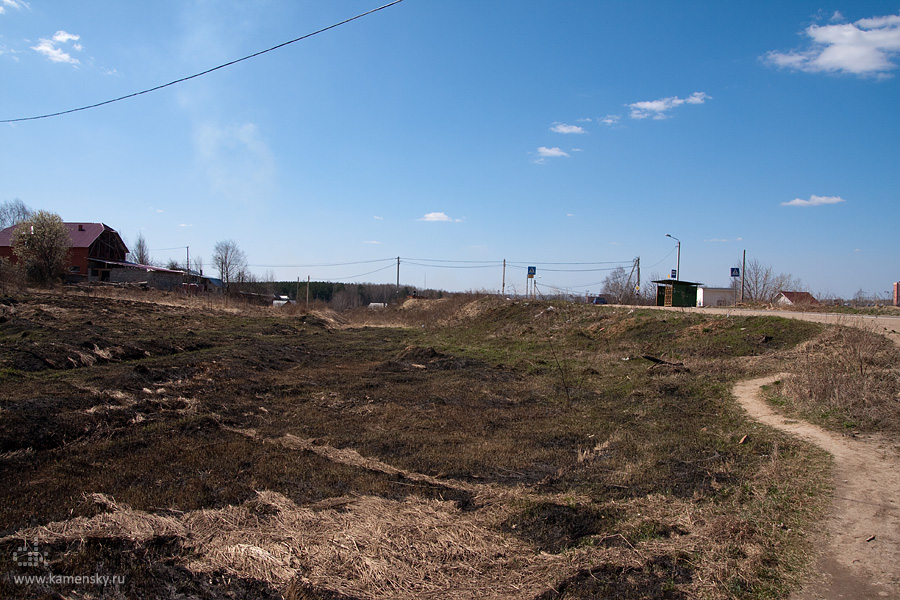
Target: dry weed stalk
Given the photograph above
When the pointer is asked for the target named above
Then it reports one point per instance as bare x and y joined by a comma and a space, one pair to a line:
850, 374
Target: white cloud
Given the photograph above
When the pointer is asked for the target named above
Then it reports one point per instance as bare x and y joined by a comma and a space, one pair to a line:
865, 48
720, 240
61, 37
563, 128
50, 49
436, 217
545, 152
372, 242
17, 4
610, 119
377, 218
658, 109
814, 201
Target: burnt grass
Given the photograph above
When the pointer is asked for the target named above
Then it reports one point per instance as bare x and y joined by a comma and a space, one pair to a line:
168, 409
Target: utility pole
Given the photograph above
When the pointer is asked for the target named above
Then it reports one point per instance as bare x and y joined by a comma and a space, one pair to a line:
307, 292
638, 261
503, 287
743, 271
398, 277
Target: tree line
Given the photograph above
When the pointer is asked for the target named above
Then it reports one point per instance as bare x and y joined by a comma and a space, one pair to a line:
40, 242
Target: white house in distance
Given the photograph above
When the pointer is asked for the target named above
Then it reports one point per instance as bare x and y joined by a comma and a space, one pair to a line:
715, 296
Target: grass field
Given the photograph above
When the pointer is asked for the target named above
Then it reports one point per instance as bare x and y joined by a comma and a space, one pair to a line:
459, 448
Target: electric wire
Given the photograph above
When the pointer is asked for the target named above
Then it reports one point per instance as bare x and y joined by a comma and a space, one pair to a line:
369, 273
206, 72
340, 264
439, 266
662, 259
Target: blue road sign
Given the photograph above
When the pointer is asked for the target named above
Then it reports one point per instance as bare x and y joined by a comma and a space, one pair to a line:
735, 272
532, 271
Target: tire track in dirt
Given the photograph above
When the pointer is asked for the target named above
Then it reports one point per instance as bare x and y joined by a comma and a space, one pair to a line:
861, 554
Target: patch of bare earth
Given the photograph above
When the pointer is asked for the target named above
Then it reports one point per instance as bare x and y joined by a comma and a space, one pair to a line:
860, 551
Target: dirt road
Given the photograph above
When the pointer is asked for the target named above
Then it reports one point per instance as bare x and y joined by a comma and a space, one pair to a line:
861, 556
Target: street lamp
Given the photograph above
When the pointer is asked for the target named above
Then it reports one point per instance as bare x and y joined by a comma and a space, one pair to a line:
678, 263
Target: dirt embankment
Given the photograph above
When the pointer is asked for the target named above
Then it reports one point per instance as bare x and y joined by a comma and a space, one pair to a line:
861, 537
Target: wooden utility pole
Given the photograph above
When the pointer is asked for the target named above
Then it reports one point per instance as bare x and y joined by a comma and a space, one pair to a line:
307, 292
503, 288
743, 271
638, 260
398, 277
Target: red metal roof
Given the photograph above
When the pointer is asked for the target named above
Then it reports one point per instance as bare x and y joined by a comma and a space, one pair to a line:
82, 235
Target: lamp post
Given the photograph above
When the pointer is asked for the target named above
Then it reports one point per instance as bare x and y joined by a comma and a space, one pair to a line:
678, 263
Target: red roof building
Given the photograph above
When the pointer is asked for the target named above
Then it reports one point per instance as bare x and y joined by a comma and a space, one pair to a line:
94, 247
795, 298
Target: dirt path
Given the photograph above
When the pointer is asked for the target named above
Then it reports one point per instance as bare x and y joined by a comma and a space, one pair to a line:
861, 557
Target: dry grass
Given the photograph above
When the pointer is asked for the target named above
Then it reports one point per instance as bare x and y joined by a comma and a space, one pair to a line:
484, 449
847, 379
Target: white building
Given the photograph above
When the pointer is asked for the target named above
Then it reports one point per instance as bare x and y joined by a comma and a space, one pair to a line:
713, 296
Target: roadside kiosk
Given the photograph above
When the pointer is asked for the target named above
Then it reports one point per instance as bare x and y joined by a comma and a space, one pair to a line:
673, 292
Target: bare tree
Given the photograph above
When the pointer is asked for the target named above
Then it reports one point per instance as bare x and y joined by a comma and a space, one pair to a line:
647, 293
141, 251
198, 264
41, 243
619, 287
762, 284
13, 212
230, 261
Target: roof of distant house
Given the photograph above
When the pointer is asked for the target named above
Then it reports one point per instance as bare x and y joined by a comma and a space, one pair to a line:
799, 297
81, 235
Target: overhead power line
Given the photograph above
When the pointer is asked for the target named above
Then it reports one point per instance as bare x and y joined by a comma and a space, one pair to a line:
206, 72
340, 264
493, 265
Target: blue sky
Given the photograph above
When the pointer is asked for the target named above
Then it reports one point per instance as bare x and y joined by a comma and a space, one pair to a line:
459, 134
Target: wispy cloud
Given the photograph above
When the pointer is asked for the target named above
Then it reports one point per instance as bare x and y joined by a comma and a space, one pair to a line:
611, 119
237, 160
50, 48
377, 218
372, 242
563, 128
864, 48
659, 109
438, 217
17, 4
722, 240
545, 152
814, 201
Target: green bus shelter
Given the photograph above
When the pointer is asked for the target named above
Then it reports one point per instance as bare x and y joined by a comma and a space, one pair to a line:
673, 292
